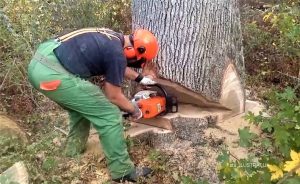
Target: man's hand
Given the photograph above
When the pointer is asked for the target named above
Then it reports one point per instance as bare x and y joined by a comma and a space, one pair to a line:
137, 114
147, 80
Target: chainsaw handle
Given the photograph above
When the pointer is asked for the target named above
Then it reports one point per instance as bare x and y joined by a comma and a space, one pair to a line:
161, 89
171, 102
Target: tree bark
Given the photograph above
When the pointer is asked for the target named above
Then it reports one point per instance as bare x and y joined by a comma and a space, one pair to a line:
198, 40
201, 63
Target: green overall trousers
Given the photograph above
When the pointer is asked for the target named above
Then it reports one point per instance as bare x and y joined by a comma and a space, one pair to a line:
86, 105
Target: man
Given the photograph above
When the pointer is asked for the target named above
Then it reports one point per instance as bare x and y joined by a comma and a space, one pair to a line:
59, 70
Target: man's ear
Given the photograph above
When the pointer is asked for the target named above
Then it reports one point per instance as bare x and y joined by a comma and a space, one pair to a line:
150, 68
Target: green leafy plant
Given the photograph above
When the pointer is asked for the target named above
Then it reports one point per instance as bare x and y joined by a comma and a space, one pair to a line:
246, 137
285, 20
272, 44
275, 153
49, 164
159, 160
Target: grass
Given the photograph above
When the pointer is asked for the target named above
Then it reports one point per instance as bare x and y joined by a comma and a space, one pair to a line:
42, 156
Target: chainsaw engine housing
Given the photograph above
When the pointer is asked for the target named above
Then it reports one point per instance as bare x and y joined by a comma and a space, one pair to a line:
152, 106
153, 103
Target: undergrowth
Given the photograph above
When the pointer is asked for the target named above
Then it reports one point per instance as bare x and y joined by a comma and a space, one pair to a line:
25, 24
272, 44
274, 155
272, 53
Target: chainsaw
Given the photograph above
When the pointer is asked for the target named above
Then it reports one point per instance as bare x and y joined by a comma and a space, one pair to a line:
155, 102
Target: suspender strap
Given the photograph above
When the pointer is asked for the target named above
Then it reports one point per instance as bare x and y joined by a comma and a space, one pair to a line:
49, 63
57, 66
87, 30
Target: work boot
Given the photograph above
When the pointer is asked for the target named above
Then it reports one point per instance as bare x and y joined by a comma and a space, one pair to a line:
135, 174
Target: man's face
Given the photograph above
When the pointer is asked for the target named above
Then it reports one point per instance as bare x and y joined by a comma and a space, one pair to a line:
134, 63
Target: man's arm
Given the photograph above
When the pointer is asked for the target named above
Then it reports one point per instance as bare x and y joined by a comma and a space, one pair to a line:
133, 75
116, 96
130, 74
149, 70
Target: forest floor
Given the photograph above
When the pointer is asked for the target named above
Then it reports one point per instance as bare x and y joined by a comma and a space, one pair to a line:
46, 129
182, 162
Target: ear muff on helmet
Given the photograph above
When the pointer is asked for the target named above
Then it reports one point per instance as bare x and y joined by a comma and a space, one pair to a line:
144, 47
129, 52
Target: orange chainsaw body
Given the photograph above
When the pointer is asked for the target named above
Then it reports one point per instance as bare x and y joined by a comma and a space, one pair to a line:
153, 106
153, 103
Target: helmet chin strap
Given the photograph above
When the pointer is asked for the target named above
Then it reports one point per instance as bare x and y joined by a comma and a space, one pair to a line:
134, 63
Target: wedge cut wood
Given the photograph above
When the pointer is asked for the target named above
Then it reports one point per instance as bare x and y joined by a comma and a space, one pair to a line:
15, 174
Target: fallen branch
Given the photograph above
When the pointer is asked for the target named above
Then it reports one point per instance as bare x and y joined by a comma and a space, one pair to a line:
61, 130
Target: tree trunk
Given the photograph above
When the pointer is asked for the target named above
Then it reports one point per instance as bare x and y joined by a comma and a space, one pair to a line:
201, 63
198, 40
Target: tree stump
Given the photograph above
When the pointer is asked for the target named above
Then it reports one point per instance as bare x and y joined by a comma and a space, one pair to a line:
15, 174
10, 134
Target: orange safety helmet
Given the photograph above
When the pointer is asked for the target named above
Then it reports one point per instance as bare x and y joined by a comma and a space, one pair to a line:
144, 43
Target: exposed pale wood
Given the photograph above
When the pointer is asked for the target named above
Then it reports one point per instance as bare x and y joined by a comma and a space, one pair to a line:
137, 129
185, 111
184, 128
93, 146
233, 93
159, 122
185, 95
10, 129
15, 174
199, 149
